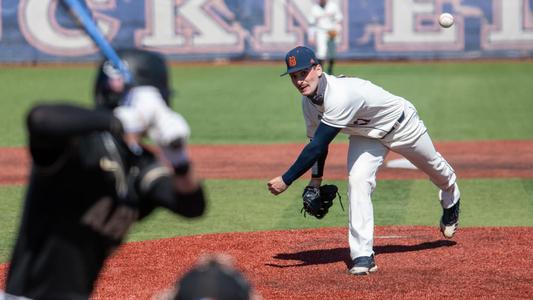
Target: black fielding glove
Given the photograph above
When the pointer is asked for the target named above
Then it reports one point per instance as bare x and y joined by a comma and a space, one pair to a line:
317, 201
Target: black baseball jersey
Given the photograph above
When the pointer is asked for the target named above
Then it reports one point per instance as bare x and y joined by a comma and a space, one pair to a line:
56, 256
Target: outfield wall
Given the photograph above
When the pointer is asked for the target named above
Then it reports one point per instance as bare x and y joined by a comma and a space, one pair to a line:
39, 31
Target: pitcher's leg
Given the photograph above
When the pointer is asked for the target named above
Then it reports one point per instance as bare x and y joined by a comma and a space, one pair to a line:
424, 156
364, 158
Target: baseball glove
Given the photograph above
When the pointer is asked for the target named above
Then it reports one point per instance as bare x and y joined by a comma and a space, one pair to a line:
317, 201
332, 34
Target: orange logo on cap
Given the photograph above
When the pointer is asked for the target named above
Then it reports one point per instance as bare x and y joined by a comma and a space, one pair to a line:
292, 61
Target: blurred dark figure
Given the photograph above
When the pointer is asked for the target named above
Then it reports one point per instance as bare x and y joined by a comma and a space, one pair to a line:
214, 277
91, 179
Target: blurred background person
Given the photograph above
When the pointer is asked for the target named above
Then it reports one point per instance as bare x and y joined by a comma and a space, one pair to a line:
325, 26
91, 179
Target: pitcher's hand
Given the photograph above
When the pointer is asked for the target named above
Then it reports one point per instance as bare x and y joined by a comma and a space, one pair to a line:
276, 185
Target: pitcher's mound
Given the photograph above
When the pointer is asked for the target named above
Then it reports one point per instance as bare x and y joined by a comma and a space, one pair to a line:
414, 263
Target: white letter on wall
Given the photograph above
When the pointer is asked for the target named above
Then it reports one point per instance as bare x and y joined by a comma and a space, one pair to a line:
40, 28
411, 25
278, 33
193, 26
511, 19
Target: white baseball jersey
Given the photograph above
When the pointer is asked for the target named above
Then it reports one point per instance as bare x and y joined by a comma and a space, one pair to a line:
376, 122
357, 106
324, 19
327, 17
146, 111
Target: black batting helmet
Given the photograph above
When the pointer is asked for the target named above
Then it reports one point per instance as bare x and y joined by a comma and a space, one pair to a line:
213, 280
145, 67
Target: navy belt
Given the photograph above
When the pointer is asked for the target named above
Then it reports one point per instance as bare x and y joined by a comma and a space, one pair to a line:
400, 119
396, 124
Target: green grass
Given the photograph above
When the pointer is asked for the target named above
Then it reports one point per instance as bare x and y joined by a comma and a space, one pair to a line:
10, 208
462, 101
252, 104
246, 205
21, 87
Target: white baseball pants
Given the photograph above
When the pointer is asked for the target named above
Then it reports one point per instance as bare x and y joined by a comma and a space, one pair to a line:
366, 155
321, 44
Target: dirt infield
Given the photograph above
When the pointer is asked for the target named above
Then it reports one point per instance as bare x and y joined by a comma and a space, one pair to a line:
482, 159
414, 262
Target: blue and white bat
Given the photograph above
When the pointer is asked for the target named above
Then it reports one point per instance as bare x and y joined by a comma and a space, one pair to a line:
79, 11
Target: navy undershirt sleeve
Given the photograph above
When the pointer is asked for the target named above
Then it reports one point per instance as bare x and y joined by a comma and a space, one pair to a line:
317, 171
318, 146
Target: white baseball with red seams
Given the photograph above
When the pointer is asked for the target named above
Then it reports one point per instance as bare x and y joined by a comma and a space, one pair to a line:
446, 20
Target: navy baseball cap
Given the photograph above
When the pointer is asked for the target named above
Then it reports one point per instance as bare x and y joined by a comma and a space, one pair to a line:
298, 59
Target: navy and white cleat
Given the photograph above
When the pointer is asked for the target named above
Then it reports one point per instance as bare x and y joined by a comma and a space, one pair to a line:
363, 265
450, 220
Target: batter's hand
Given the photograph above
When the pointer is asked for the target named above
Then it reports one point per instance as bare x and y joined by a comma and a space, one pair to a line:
277, 186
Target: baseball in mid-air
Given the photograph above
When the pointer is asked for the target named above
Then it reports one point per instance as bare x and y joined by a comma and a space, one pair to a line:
446, 20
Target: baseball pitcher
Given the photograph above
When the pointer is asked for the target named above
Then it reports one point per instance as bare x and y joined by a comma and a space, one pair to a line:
376, 122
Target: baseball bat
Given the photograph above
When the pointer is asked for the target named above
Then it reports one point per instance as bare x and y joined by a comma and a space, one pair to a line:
82, 16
